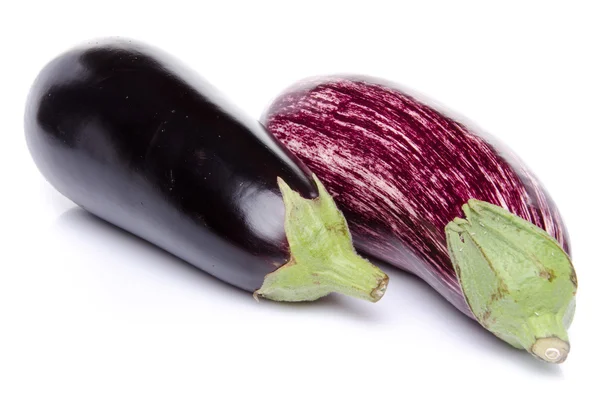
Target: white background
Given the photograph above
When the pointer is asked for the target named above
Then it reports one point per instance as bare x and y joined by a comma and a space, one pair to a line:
87, 310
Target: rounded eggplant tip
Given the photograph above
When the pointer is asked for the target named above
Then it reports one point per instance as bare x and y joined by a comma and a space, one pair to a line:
379, 291
553, 350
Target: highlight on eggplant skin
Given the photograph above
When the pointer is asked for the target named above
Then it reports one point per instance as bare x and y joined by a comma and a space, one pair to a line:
402, 170
133, 136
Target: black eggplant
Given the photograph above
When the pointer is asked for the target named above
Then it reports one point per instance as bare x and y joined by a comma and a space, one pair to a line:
133, 136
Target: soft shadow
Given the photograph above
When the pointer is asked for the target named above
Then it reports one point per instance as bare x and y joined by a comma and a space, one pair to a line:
333, 304
57, 201
458, 324
77, 220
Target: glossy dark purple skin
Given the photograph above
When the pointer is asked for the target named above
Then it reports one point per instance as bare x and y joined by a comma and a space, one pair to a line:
400, 169
131, 135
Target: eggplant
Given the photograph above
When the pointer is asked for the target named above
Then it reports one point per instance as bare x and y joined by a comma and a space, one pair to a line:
127, 132
425, 190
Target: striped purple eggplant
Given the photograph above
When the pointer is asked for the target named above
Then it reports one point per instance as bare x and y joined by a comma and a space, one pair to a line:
425, 190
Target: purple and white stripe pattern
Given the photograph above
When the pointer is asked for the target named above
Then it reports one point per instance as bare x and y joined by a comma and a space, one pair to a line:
400, 170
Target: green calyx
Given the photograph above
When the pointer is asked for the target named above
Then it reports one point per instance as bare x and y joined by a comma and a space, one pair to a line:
517, 280
323, 259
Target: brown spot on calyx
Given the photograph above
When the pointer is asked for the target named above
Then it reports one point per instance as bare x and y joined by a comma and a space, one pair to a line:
573, 278
336, 228
548, 274
485, 317
500, 292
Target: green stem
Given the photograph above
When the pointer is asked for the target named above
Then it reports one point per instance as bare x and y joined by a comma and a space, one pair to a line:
323, 259
517, 280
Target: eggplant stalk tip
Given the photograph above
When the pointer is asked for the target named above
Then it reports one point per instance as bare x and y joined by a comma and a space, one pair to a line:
552, 350
323, 259
518, 282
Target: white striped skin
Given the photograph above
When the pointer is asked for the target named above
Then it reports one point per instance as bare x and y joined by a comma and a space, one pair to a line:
401, 169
